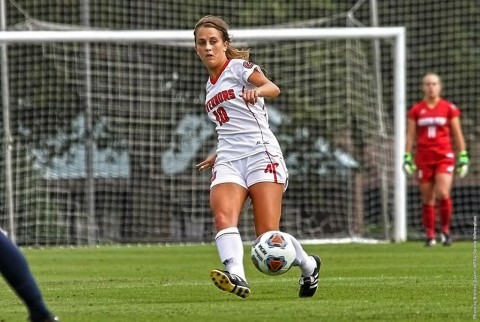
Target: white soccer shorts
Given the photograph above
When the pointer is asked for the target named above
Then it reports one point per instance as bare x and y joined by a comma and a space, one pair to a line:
260, 167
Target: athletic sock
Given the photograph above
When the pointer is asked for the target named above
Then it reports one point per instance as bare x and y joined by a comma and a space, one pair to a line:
305, 262
428, 219
14, 268
445, 209
230, 248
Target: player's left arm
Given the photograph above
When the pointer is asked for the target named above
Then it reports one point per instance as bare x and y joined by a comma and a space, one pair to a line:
457, 134
264, 88
463, 159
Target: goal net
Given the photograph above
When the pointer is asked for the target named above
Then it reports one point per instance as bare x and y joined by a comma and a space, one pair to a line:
106, 136
100, 140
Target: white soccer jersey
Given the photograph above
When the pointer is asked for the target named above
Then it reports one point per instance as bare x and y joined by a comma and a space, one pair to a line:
242, 129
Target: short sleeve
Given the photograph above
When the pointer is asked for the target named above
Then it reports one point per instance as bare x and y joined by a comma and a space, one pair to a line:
412, 113
244, 68
454, 111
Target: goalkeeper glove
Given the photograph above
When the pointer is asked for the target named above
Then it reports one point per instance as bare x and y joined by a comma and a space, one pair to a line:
463, 160
409, 165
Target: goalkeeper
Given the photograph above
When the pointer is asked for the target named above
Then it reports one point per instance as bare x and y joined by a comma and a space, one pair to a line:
432, 124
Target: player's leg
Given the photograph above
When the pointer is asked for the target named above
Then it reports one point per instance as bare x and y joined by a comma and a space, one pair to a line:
16, 272
267, 206
426, 185
226, 202
443, 187
267, 180
428, 211
267, 203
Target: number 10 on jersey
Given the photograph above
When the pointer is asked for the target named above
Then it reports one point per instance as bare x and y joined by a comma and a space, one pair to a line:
221, 115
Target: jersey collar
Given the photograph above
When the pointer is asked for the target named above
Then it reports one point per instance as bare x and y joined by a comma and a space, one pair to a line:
215, 79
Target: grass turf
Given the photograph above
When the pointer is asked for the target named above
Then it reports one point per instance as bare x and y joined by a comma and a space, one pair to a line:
388, 282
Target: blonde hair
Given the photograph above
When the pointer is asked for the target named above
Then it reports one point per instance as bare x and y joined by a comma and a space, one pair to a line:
432, 74
223, 27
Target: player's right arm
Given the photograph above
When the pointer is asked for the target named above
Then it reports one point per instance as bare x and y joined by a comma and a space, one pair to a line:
207, 163
411, 134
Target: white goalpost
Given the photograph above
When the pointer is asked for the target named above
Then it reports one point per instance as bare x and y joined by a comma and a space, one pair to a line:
57, 205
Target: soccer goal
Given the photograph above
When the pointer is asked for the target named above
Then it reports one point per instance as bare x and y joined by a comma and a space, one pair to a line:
103, 129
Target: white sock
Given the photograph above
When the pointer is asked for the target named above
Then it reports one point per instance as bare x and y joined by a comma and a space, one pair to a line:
230, 249
305, 262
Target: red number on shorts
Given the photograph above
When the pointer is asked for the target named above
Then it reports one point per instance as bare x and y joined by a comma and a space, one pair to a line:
221, 115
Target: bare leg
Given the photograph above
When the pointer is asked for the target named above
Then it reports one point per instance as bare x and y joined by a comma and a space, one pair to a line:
267, 206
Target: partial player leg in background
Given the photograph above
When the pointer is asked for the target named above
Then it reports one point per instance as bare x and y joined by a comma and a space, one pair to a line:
14, 268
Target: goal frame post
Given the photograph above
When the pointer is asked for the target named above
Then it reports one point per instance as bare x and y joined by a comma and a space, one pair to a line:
397, 34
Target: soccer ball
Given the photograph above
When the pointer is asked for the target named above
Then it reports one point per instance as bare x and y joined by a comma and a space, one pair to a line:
273, 253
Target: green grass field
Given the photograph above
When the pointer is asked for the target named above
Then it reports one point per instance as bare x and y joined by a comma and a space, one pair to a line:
389, 282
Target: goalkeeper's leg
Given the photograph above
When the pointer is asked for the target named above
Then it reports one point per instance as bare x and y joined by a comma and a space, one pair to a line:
14, 268
443, 183
426, 179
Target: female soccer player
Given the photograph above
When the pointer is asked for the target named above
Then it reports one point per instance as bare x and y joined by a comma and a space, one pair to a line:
15, 270
248, 160
432, 122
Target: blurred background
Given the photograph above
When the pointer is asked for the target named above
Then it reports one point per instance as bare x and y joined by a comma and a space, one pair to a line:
102, 138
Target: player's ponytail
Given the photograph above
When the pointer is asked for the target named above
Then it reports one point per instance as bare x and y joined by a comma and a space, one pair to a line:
232, 52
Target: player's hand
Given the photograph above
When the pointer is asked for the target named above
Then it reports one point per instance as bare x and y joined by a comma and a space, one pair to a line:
250, 96
463, 161
207, 163
409, 165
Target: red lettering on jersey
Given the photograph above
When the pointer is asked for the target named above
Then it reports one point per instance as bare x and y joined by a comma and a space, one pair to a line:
218, 99
224, 96
231, 94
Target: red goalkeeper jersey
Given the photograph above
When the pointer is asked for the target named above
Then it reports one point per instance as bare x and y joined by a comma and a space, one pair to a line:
433, 125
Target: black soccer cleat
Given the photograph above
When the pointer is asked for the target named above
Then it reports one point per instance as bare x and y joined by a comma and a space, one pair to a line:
230, 283
430, 242
446, 240
309, 284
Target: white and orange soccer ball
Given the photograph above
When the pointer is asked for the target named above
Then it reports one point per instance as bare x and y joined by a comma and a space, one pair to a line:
273, 253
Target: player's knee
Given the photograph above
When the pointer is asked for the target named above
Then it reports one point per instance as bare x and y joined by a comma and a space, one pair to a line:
443, 195
224, 220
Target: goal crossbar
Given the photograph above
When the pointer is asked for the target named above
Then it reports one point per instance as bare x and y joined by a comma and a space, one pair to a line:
397, 34
276, 34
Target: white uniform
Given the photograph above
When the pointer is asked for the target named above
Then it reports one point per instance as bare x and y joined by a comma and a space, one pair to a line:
247, 152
